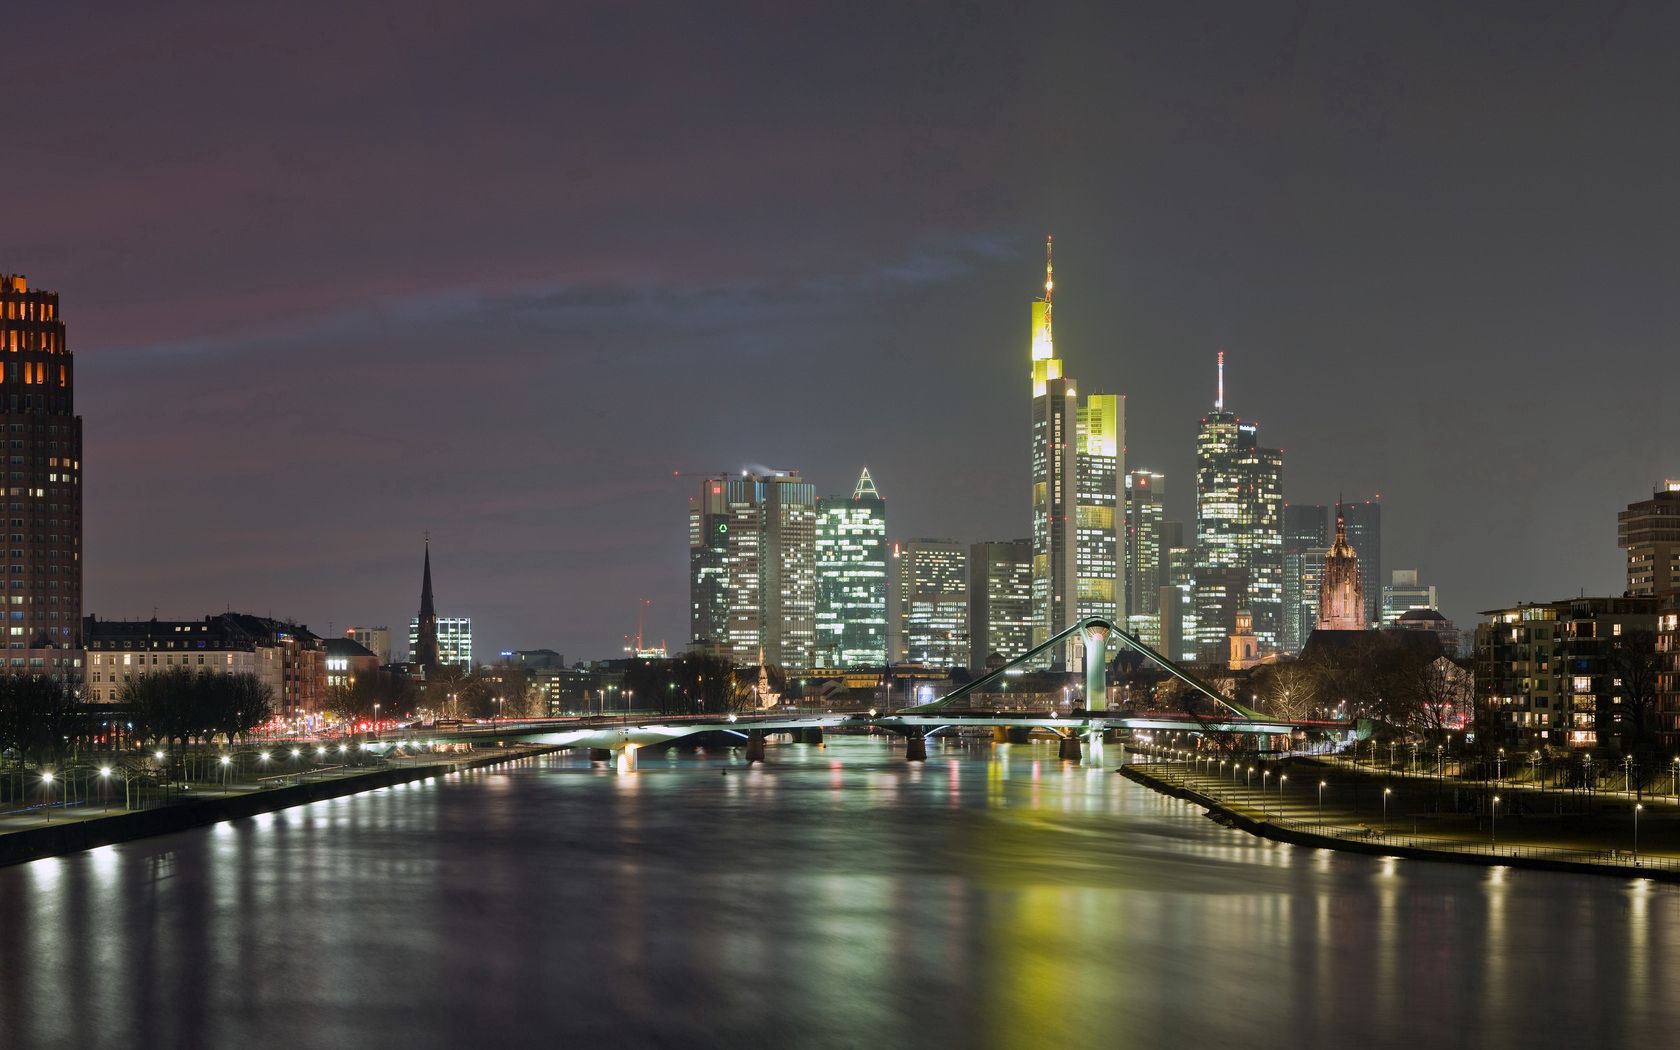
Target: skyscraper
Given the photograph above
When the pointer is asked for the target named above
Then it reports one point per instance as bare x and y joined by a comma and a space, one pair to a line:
1239, 531
851, 539
1099, 511
932, 602
1145, 516
1178, 596
1649, 531
1364, 533
999, 601
45, 635
752, 567
1305, 527
1078, 462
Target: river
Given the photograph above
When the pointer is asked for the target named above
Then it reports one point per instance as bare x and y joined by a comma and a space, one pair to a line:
838, 896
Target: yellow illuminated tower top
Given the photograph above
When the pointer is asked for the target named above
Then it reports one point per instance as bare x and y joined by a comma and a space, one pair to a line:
1045, 364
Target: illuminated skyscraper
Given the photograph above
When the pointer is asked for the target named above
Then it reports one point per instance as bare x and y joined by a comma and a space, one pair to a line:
752, 568
932, 602
46, 484
1239, 531
852, 577
1305, 527
1100, 557
999, 601
1078, 462
1145, 568
1055, 425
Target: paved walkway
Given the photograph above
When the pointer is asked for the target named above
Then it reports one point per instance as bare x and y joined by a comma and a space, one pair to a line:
1424, 812
96, 808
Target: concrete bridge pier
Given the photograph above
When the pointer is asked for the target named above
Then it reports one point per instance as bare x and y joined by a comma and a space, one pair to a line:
1067, 747
755, 746
600, 754
915, 749
1093, 747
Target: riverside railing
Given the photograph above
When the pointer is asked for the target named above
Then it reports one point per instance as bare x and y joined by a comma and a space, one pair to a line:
1621, 859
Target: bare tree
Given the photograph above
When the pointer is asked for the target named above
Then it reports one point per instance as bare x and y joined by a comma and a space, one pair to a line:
1289, 691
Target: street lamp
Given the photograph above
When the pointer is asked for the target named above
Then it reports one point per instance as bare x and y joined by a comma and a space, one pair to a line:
1248, 778
376, 721
1636, 809
1265, 774
1386, 792
1321, 784
1494, 836
105, 786
46, 782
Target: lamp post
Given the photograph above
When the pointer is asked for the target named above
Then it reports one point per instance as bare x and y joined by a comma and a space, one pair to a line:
1494, 835
1627, 773
1636, 809
1248, 779
105, 786
1281, 778
46, 782
1499, 768
1386, 792
1264, 774
376, 721
1321, 784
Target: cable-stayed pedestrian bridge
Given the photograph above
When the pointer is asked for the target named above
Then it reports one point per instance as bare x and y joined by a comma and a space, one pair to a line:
1206, 710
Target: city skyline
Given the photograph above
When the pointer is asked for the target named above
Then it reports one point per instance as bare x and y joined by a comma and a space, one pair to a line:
1372, 333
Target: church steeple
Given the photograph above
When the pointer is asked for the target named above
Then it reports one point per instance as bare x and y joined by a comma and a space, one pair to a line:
426, 641
1341, 593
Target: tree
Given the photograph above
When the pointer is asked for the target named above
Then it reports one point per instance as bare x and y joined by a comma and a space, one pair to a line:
1288, 691
1433, 695
1633, 665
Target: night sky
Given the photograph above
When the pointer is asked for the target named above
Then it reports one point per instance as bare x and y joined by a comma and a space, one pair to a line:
337, 274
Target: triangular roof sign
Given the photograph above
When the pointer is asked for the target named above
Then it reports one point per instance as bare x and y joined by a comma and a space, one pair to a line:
865, 486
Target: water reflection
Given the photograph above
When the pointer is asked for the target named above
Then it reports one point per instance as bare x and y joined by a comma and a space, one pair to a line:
838, 896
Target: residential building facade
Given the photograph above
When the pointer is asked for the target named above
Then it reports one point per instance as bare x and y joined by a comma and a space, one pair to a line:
284, 656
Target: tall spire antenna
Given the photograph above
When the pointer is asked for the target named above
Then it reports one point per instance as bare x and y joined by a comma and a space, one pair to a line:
1219, 401
1049, 279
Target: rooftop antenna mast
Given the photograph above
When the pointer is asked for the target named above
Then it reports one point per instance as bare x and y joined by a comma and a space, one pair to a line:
1219, 399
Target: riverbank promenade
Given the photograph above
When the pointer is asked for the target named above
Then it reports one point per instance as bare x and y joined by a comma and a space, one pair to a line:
1342, 804
100, 815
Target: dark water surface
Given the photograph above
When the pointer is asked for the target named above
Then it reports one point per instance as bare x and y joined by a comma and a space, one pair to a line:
839, 897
